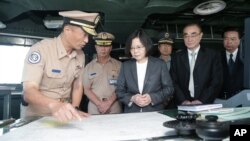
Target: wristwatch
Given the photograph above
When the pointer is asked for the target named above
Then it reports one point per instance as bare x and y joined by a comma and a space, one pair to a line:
77, 108
130, 103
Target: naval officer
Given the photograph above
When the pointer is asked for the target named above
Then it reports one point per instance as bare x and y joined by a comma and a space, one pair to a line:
52, 74
100, 78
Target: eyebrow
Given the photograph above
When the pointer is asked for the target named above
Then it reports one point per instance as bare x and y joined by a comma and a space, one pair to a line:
230, 37
191, 33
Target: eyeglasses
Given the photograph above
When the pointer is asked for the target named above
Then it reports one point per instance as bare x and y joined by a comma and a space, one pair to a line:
192, 35
137, 48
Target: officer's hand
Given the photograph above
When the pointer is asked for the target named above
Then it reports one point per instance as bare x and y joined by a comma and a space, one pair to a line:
104, 107
65, 112
83, 114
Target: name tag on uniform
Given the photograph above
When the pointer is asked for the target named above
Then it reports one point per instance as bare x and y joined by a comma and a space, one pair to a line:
92, 74
112, 81
56, 71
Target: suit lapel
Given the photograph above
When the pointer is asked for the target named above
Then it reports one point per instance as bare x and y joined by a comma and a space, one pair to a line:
186, 69
199, 59
237, 63
224, 62
134, 74
148, 72
184, 58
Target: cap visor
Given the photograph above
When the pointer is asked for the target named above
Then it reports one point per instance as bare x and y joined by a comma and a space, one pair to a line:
91, 31
165, 42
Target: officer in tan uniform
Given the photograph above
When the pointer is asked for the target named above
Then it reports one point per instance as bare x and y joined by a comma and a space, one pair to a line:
52, 74
100, 78
165, 46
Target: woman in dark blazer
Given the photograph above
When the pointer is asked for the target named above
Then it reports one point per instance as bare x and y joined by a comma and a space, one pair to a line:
144, 82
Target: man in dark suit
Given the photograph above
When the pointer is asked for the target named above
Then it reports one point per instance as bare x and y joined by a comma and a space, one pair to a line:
196, 71
233, 67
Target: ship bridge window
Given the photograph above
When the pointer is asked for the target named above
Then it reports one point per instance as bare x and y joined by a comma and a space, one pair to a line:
11, 63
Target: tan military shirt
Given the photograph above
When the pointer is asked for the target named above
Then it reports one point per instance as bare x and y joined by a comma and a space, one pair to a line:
102, 80
48, 65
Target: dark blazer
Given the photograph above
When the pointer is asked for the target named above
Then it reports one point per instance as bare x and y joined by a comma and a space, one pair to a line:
207, 76
232, 84
157, 84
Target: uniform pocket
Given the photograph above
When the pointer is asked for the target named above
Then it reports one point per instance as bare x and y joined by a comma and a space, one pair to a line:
54, 73
54, 79
113, 74
92, 75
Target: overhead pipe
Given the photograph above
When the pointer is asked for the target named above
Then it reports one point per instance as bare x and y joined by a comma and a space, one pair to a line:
23, 36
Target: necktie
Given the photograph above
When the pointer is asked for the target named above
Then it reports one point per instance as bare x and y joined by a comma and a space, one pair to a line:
191, 79
230, 64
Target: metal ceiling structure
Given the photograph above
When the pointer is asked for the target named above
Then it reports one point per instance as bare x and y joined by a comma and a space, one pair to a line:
120, 17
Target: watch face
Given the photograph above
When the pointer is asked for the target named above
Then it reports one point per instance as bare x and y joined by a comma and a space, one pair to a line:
209, 7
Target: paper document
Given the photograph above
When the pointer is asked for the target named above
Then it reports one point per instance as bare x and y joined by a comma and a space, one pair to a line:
197, 108
113, 127
228, 114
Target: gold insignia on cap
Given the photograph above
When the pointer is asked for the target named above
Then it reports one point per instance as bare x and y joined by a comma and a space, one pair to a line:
166, 35
104, 39
88, 21
97, 19
165, 39
104, 36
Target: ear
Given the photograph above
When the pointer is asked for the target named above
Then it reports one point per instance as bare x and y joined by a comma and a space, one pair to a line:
96, 47
66, 28
201, 34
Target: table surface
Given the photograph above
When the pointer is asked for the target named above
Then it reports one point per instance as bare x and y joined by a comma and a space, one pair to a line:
147, 126
112, 127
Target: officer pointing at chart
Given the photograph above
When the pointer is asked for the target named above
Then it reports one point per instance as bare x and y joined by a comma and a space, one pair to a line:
52, 74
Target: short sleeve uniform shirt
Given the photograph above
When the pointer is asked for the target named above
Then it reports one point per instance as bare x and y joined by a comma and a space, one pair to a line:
101, 79
48, 65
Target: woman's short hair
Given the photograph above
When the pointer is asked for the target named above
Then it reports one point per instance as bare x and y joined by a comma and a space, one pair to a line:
143, 37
